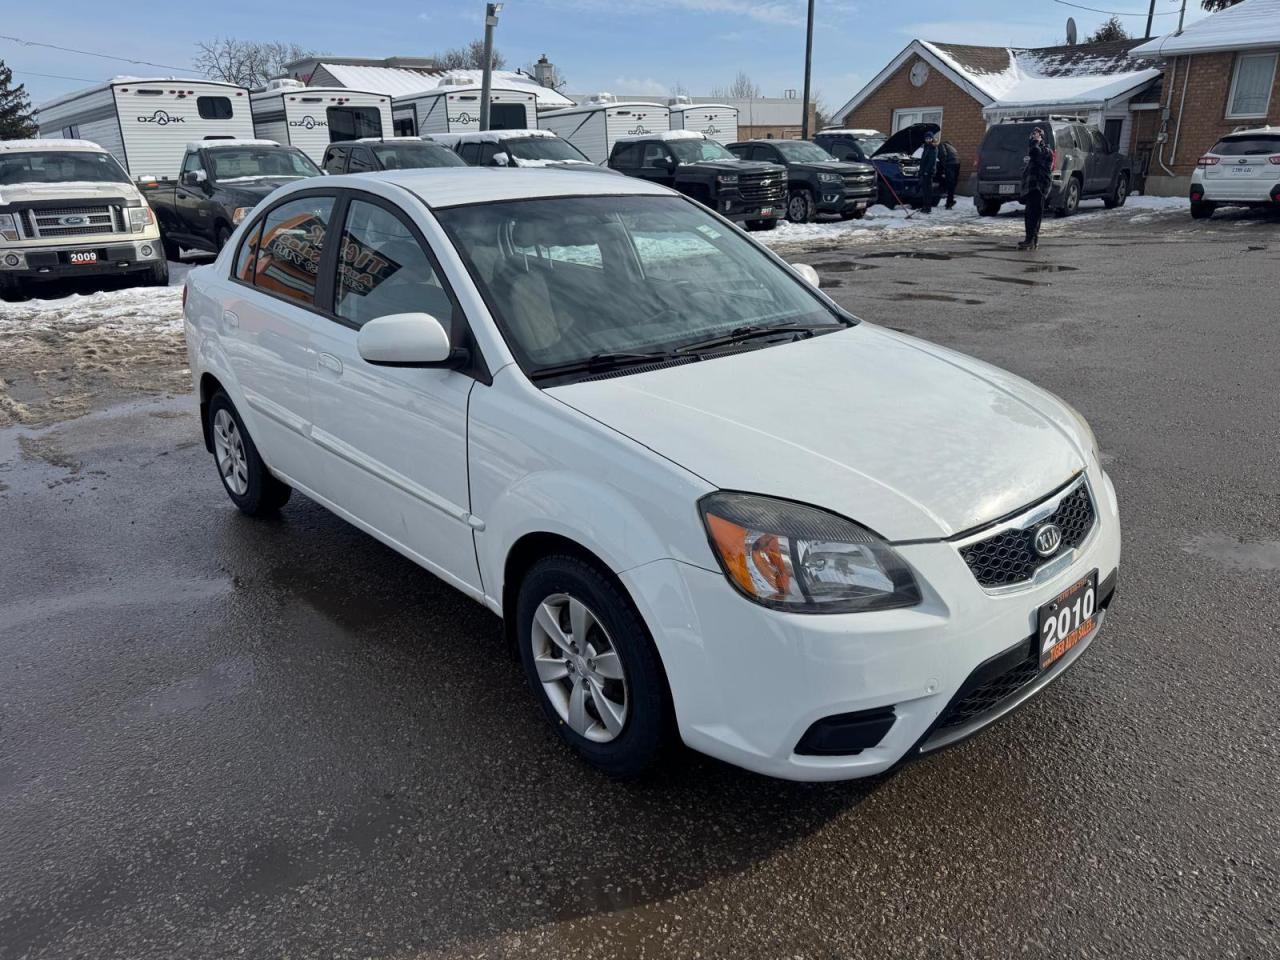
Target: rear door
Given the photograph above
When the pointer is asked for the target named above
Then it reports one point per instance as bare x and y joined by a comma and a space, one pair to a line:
394, 439
1100, 164
1004, 154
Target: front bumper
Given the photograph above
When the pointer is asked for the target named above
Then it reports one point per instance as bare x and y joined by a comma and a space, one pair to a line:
55, 263
733, 206
748, 682
835, 198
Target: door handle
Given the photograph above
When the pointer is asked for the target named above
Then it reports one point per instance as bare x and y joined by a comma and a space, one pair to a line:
328, 361
230, 319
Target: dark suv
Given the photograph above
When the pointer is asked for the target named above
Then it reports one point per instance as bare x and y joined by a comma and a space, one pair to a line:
816, 181
1085, 165
743, 191
408, 153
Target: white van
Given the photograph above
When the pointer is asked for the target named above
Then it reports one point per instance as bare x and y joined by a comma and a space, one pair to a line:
718, 121
311, 118
596, 126
455, 108
147, 124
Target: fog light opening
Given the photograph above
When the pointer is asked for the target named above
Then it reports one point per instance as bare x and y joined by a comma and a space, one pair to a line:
12, 260
145, 250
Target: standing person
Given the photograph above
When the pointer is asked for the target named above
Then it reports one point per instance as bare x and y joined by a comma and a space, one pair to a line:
1036, 175
948, 171
928, 171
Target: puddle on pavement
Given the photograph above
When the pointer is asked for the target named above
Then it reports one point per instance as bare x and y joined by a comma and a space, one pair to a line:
938, 297
906, 255
220, 681
832, 282
844, 266
1048, 268
1234, 552
1020, 281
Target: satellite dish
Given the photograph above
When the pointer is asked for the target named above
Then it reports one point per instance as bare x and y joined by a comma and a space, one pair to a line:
1071, 31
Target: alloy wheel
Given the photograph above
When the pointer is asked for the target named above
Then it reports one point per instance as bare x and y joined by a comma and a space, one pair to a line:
228, 450
798, 208
579, 668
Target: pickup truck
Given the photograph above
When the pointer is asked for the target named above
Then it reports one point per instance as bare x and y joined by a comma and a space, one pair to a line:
743, 191
68, 209
818, 182
219, 183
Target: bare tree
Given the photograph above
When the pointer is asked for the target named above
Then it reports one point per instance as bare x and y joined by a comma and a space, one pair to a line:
678, 89
821, 112
470, 57
1112, 29
742, 88
249, 63
1213, 6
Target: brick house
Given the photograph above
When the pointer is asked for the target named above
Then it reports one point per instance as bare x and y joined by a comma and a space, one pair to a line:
1220, 75
965, 88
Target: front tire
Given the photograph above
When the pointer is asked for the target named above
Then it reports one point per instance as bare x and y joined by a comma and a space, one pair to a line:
754, 225
157, 275
171, 249
1120, 194
1072, 201
592, 666
800, 206
10, 290
854, 214
245, 477
1201, 209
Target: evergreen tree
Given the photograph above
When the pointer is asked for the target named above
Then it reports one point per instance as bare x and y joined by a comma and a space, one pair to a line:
17, 122
1113, 29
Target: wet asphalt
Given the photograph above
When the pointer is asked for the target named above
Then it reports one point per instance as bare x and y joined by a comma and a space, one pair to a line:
222, 737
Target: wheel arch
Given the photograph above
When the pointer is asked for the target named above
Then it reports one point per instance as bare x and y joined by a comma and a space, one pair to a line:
209, 385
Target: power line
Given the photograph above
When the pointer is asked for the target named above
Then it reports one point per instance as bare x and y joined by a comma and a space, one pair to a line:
52, 76
91, 53
1114, 13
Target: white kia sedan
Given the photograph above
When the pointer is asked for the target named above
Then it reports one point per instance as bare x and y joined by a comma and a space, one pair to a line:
706, 501
1242, 170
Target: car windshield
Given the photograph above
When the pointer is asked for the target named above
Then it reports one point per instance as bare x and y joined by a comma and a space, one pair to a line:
801, 151
254, 163
869, 145
543, 148
574, 278
414, 156
1247, 147
691, 150
60, 166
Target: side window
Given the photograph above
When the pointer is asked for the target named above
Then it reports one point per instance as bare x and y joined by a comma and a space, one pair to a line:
293, 236
248, 253
654, 157
191, 162
626, 156
383, 270
335, 160
470, 153
361, 160
740, 150
1099, 142
487, 153
214, 108
769, 154
842, 151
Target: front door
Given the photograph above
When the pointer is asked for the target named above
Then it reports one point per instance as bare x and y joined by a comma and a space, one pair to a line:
393, 440
657, 163
192, 204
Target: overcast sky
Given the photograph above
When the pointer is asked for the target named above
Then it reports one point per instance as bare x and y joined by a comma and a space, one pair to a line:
624, 46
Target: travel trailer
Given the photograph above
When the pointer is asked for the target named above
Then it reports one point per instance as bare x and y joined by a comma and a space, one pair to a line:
454, 107
311, 118
595, 126
719, 121
147, 124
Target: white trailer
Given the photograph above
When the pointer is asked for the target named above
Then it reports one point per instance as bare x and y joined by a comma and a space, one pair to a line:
147, 124
455, 108
718, 121
596, 126
311, 118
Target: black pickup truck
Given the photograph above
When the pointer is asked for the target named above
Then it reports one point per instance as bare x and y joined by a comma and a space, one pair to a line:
817, 181
739, 190
220, 182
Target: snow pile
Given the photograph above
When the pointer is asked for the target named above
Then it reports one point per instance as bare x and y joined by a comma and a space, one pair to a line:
1252, 24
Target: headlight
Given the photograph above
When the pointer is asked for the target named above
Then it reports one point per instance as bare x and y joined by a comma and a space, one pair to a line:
239, 213
830, 177
799, 558
726, 178
140, 217
8, 227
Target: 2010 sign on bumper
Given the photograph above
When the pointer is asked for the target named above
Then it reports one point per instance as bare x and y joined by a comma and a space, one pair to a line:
1067, 619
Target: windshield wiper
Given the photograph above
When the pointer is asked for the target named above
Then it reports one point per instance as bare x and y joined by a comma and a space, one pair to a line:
754, 331
601, 362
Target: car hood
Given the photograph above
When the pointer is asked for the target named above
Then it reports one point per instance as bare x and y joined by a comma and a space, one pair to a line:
69, 190
843, 167
907, 140
910, 439
734, 166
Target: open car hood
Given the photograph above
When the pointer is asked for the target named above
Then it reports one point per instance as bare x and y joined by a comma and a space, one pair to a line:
907, 140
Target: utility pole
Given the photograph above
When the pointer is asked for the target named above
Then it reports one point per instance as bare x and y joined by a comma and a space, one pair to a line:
1182, 15
808, 66
1151, 13
491, 11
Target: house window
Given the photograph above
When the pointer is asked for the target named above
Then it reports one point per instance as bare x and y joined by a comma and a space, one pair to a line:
905, 118
1251, 85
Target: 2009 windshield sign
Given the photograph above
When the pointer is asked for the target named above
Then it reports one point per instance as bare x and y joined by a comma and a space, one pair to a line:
162, 118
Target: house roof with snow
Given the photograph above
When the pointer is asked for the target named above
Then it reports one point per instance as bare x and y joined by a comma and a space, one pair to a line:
1251, 24
1082, 75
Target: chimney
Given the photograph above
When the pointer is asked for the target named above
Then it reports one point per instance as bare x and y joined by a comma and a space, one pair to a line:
544, 71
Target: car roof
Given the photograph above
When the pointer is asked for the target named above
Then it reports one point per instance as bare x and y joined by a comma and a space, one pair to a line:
48, 143
439, 187
489, 136
1255, 132
840, 131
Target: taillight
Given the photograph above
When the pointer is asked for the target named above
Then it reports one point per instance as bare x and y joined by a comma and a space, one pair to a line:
1207, 161
1055, 158
1274, 158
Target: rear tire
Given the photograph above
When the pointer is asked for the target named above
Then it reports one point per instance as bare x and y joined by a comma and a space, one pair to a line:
987, 208
223, 235
548, 597
1201, 209
1120, 194
1071, 200
800, 206
245, 477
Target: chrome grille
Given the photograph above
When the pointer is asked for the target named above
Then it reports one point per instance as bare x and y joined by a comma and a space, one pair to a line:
1008, 558
762, 188
47, 223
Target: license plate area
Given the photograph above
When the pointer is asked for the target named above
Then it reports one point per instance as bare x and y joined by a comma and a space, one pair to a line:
1067, 619
81, 257
1243, 170
1008, 187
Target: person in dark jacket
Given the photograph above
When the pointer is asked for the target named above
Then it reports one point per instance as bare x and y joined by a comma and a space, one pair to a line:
948, 171
928, 171
1036, 174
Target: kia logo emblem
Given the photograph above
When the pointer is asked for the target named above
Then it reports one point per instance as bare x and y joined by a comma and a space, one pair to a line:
1047, 539
162, 118
72, 221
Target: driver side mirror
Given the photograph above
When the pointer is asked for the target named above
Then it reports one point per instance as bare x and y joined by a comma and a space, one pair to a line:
500, 160
194, 178
406, 340
810, 275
